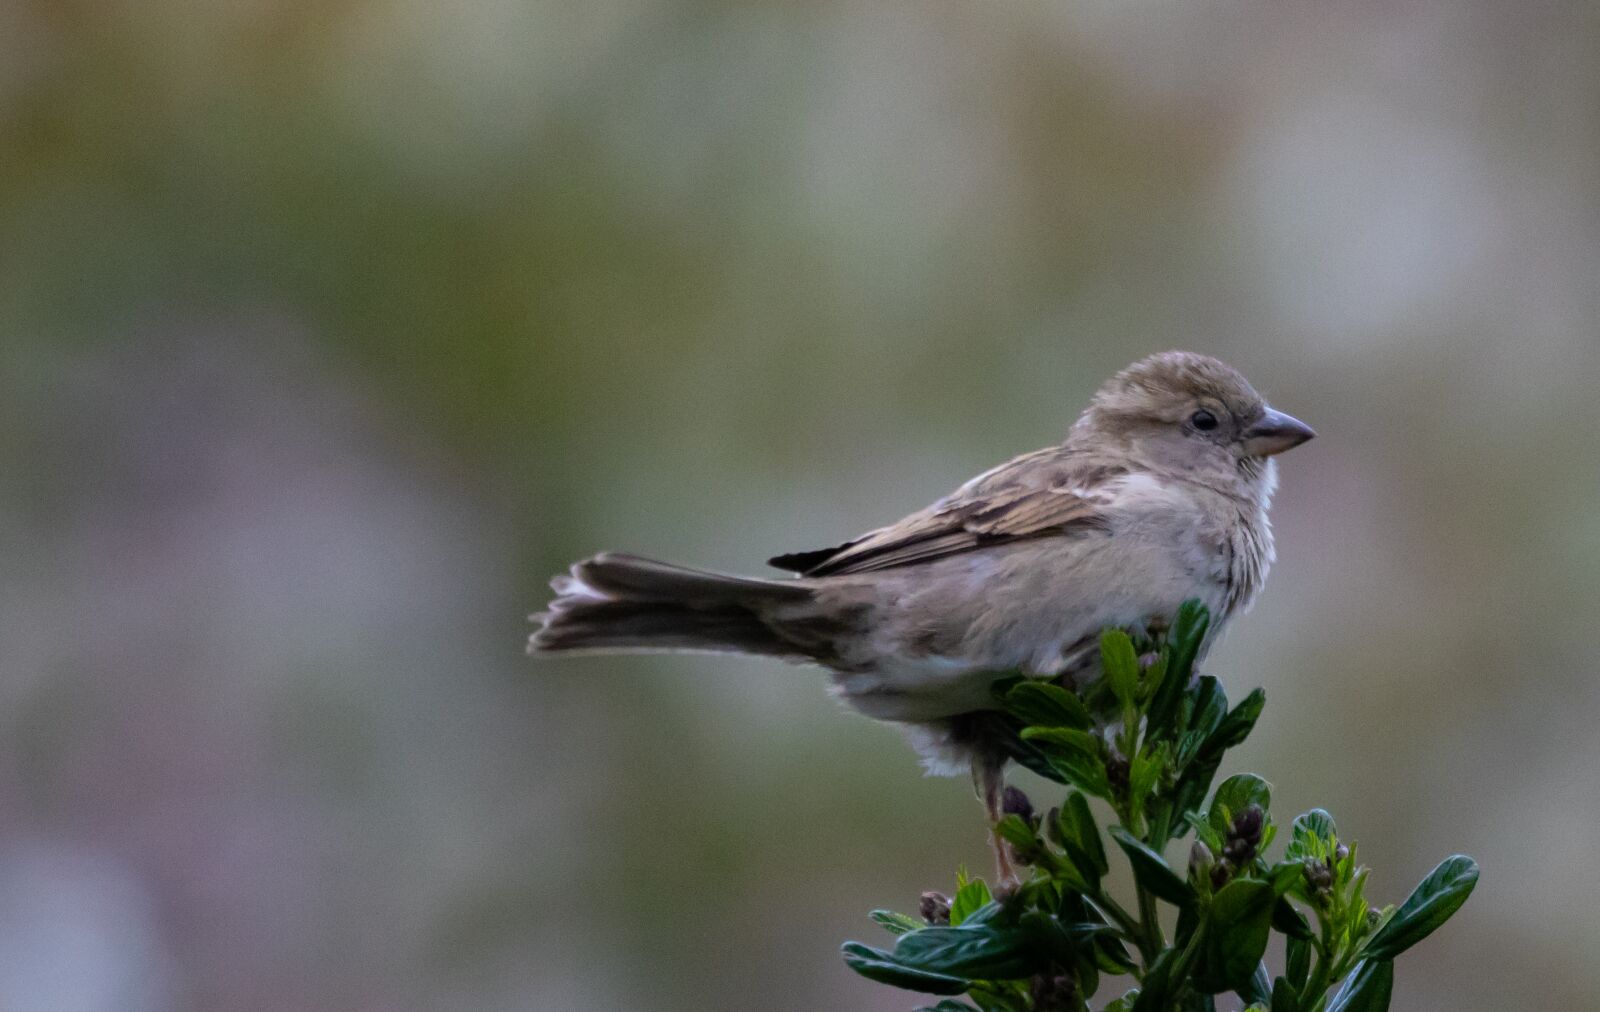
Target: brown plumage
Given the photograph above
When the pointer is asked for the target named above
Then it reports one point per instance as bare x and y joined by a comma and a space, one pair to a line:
1158, 494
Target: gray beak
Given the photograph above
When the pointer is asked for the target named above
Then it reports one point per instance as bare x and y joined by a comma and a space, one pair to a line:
1274, 433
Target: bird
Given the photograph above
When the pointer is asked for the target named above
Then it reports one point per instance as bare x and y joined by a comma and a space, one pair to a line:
1158, 494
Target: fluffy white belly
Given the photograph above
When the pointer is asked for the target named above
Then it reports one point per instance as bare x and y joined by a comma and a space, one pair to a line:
942, 633
927, 688
907, 688
930, 688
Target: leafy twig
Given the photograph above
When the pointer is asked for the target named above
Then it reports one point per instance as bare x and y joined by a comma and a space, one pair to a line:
1148, 738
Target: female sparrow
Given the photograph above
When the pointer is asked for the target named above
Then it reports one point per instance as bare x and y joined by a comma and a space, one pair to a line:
1158, 494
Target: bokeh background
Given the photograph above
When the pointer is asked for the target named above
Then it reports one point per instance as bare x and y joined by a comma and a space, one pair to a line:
329, 330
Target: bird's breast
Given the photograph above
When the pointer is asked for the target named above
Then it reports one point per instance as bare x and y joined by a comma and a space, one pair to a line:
1250, 555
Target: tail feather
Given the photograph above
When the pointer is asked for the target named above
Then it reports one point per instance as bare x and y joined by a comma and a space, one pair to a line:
623, 602
615, 574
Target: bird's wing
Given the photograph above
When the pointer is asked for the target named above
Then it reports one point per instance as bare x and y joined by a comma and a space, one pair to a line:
1051, 492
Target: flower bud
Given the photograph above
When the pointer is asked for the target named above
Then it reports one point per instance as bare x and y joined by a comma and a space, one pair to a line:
1053, 992
1341, 852
1220, 873
1117, 773
1200, 859
1014, 802
935, 908
1318, 877
1247, 825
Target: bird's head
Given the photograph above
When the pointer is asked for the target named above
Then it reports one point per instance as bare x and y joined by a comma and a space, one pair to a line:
1182, 412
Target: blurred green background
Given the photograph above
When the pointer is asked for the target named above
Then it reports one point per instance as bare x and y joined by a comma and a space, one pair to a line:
329, 330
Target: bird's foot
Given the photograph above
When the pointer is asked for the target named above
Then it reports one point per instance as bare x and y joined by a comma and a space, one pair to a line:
988, 778
1005, 872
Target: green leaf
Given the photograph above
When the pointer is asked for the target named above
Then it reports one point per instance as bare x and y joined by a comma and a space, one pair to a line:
1088, 777
1143, 772
1285, 998
1285, 874
1183, 644
1203, 831
1081, 836
1237, 925
1188, 924
1204, 707
1111, 956
1312, 835
875, 964
1297, 962
1158, 987
1072, 756
1052, 941
948, 1005
1064, 766
897, 924
1367, 989
1269, 832
1124, 1003
967, 899
1056, 739
1012, 828
1194, 784
1356, 916
1259, 990
1004, 682
1162, 712
1043, 704
1083, 932
1152, 672
1287, 920
1233, 796
983, 915
1030, 758
997, 997
1088, 927
1151, 870
1121, 666
1430, 904
1237, 725
1187, 635
985, 951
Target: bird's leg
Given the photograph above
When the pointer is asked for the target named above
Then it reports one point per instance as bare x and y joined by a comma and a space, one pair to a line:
988, 778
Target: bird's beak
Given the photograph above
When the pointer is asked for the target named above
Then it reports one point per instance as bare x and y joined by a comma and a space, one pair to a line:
1275, 433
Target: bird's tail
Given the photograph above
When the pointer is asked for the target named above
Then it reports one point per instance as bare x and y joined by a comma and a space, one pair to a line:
616, 602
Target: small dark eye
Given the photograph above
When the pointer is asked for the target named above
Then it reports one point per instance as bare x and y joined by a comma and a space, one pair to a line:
1203, 420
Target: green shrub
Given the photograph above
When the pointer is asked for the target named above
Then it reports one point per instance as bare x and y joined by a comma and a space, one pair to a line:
1148, 738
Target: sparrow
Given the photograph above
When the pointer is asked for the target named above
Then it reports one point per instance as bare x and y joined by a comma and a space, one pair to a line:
1158, 494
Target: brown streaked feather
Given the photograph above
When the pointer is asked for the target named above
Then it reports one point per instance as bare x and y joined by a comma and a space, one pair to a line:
1050, 492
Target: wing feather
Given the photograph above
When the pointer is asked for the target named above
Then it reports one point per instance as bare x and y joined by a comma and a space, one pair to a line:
1048, 493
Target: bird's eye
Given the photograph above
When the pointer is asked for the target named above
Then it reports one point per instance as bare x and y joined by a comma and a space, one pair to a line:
1203, 420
